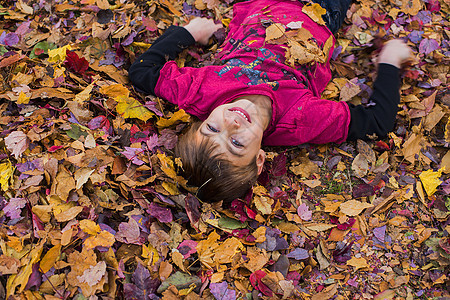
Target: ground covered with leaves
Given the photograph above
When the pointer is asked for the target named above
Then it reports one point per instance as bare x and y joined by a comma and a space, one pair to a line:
91, 205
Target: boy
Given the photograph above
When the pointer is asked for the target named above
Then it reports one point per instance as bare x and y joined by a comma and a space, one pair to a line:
256, 98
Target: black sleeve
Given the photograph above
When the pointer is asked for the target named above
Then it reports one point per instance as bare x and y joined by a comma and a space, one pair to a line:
144, 72
380, 117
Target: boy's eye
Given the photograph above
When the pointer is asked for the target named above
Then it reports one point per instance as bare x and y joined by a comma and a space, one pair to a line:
236, 143
212, 128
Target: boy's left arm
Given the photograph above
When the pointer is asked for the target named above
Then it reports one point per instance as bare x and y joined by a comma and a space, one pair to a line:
144, 73
379, 119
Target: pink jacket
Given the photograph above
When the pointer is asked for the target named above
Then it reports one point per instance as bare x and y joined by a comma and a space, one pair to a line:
253, 67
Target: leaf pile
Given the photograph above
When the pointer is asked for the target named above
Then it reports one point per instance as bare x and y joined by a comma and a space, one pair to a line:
93, 206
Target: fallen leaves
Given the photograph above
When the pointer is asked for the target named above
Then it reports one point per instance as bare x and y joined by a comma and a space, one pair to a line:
92, 203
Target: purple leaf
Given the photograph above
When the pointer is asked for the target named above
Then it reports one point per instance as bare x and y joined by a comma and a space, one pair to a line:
221, 291
129, 233
168, 138
35, 279
23, 28
273, 240
129, 39
110, 57
415, 36
141, 278
298, 254
151, 105
428, 45
343, 252
132, 153
187, 247
144, 286
163, 214
14, 208
152, 142
424, 16
98, 122
143, 223
281, 265
363, 190
304, 212
332, 162
380, 233
11, 39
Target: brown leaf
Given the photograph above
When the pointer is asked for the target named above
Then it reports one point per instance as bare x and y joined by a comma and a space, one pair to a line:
353, 207
365, 150
326, 293
275, 31
360, 165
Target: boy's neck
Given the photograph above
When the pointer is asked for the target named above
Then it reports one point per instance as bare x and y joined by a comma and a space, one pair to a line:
264, 105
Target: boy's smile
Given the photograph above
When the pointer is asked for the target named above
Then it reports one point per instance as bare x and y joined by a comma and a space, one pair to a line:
237, 128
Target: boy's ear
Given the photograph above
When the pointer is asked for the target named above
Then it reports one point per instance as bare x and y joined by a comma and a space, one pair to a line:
260, 159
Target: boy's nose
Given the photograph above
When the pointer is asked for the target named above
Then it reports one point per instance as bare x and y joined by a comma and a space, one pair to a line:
232, 121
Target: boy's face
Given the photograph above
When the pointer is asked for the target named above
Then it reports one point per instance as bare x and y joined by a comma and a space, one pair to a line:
237, 128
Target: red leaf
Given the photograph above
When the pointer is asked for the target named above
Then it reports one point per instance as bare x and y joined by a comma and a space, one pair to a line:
255, 280
75, 63
192, 208
381, 146
250, 213
279, 165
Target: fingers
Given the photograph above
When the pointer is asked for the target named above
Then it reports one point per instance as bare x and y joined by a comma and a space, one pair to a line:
202, 29
395, 52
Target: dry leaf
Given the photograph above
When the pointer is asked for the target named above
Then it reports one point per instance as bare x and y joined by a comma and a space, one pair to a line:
274, 31
358, 263
353, 207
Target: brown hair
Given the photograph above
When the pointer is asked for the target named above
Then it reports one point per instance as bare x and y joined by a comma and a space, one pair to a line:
217, 178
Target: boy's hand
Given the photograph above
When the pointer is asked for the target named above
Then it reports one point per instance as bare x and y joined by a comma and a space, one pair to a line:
395, 52
202, 29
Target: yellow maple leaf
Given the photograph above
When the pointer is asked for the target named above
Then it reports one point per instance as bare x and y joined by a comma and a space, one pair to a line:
206, 249
21, 278
90, 227
447, 131
50, 258
274, 31
180, 115
58, 55
103, 239
226, 251
358, 263
430, 180
167, 165
411, 7
131, 108
226, 22
170, 188
315, 12
145, 46
263, 204
23, 98
85, 94
150, 253
6, 172
114, 90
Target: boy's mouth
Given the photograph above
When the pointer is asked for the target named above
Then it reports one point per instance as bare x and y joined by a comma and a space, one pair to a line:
241, 112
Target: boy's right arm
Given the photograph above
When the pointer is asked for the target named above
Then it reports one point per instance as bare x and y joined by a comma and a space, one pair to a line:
379, 118
144, 72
